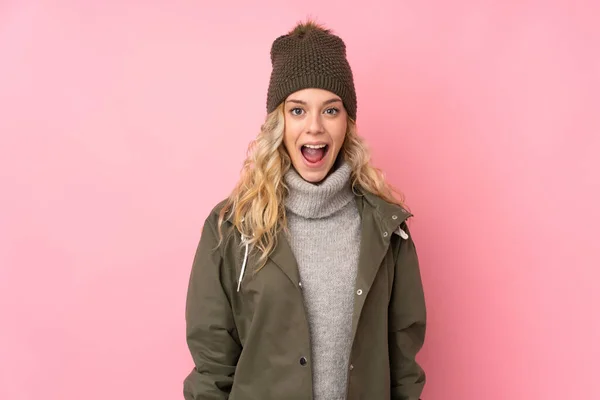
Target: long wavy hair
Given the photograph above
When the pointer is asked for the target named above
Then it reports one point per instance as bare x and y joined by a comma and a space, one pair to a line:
256, 206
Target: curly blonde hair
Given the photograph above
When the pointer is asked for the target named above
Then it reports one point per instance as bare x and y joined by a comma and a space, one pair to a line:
256, 206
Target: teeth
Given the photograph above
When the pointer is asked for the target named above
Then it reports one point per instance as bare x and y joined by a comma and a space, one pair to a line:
315, 146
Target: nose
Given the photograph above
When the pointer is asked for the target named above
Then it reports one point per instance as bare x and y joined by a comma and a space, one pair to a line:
314, 124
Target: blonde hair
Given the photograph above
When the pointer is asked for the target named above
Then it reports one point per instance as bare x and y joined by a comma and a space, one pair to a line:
256, 206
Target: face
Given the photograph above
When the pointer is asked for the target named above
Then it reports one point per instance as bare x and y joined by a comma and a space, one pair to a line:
315, 129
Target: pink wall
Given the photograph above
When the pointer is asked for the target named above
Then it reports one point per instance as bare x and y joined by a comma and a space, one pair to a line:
122, 124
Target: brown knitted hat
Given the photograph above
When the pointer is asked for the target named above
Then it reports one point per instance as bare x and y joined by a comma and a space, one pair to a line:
310, 56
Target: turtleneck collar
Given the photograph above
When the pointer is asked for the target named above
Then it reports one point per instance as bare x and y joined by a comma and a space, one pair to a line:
320, 200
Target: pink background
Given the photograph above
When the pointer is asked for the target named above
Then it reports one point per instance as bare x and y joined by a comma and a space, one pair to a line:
123, 123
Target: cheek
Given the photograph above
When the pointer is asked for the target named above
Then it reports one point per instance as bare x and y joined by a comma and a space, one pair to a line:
340, 135
287, 139
290, 134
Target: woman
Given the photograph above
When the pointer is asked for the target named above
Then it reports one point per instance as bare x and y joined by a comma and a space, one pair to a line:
306, 284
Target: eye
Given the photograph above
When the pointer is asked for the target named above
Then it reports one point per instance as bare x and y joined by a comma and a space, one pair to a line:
296, 111
332, 111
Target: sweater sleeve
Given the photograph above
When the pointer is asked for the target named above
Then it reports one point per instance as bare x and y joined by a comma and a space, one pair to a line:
407, 321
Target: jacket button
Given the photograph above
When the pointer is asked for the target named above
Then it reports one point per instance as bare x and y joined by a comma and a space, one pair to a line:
385, 234
351, 367
303, 361
359, 292
300, 284
394, 217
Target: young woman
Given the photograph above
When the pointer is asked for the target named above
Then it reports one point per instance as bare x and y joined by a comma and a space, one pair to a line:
306, 283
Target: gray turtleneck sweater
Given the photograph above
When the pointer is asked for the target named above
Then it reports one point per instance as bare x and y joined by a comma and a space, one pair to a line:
324, 226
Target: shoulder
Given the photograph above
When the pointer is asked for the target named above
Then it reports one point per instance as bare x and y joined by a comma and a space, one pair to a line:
385, 207
216, 210
212, 220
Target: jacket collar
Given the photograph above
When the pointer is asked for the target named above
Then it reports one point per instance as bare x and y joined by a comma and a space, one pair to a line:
390, 215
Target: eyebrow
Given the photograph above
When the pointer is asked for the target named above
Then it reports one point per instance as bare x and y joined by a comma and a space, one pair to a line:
333, 100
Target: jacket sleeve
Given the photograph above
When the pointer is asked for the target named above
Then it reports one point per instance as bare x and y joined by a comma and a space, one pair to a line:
210, 330
407, 321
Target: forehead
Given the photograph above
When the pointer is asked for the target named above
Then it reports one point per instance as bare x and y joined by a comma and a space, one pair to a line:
313, 95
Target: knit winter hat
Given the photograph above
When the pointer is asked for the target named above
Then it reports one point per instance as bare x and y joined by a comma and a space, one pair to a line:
310, 56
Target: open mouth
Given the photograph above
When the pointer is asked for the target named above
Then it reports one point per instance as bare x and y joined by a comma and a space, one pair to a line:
314, 153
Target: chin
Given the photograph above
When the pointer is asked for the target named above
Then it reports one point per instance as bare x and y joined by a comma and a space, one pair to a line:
312, 176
